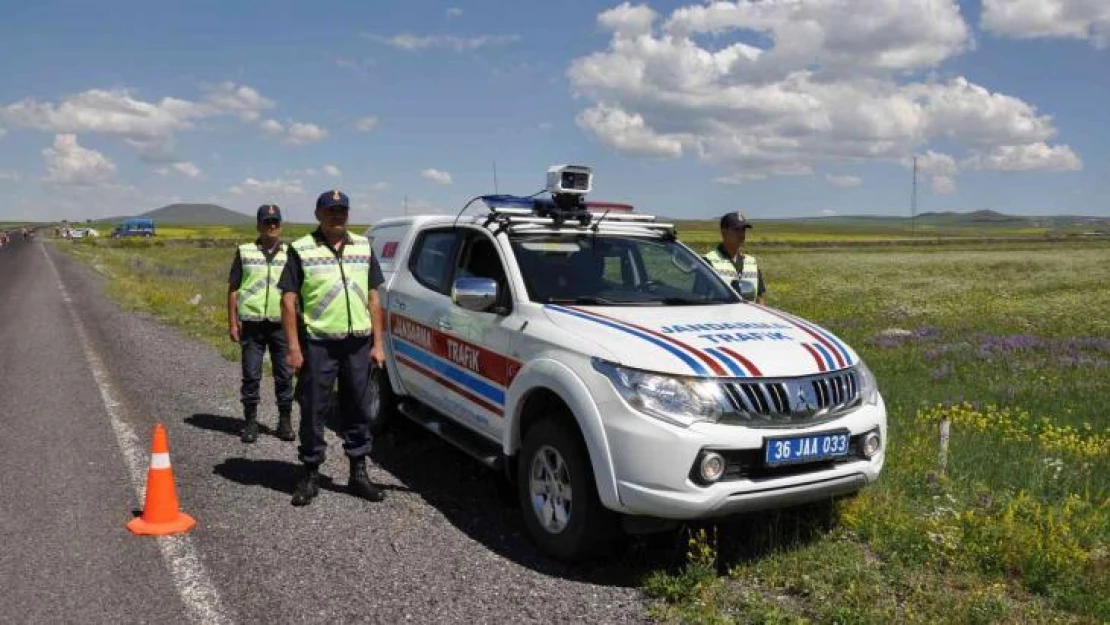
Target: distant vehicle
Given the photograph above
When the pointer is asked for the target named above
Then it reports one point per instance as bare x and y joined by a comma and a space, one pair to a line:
80, 233
135, 227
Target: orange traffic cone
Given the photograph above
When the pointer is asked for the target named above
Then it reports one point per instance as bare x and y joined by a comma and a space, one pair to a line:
160, 513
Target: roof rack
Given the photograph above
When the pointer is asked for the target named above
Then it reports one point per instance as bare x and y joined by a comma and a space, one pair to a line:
516, 213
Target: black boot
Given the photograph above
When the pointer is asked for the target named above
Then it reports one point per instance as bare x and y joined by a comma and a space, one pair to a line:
308, 486
285, 425
359, 484
249, 433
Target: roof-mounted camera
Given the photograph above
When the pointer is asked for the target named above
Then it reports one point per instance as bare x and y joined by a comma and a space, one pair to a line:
568, 186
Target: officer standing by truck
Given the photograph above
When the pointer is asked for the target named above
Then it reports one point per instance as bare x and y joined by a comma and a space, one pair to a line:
731, 263
338, 333
254, 321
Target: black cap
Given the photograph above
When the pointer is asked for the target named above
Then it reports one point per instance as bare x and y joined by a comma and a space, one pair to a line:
268, 212
734, 221
335, 197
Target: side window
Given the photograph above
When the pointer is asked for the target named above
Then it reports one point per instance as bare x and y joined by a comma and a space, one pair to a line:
432, 259
480, 260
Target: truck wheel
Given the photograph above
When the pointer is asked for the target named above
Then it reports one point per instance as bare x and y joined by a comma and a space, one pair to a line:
558, 495
382, 402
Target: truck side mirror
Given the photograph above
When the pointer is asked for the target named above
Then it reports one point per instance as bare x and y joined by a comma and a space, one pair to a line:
477, 294
745, 289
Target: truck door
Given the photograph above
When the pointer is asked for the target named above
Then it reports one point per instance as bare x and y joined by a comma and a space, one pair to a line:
451, 358
416, 298
478, 344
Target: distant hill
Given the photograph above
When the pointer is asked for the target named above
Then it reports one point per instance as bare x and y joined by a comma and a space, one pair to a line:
196, 214
943, 219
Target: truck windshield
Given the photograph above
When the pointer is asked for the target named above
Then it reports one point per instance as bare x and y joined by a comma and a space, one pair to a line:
615, 270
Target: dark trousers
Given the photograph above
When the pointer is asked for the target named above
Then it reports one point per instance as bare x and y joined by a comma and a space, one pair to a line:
254, 338
347, 360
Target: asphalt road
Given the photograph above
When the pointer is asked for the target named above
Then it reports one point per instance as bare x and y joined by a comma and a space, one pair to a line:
83, 384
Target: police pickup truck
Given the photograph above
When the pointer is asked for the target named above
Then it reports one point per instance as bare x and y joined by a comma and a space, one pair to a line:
610, 373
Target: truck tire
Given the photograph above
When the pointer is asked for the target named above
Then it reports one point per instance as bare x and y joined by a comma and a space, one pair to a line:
558, 495
382, 403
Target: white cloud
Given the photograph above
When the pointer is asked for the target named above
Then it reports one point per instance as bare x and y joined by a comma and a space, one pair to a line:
366, 124
188, 169
780, 87
627, 20
147, 126
380, 186
10, 175
273, 127
454, 12
295, 133
843, 181
405, 41
1027, 19
436, 176
1027, 157
332, 170
828, 212
240, 99
68, 163
942, 184
3, 132
302, 133
627, 133
268, 188
936, 162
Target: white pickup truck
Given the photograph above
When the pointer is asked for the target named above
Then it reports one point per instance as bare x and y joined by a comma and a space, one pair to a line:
611, 374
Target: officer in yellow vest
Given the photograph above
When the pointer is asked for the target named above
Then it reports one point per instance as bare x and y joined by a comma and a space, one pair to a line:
254, 321
338, 333
731, 263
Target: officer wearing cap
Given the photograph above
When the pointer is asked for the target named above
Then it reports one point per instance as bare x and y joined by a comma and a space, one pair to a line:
731, 263
254, 321
338, 334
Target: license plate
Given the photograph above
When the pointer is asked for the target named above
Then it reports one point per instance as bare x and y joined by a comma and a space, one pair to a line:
805, 448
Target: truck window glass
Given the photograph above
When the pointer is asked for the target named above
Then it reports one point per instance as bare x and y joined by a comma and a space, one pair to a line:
480, 260
615, 270
433, 257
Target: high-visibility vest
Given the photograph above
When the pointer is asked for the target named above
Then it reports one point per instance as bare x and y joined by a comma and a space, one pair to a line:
259, 297
727, 269
335, 291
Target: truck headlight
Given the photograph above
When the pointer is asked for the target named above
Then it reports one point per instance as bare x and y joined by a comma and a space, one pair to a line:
868, 386
677, 400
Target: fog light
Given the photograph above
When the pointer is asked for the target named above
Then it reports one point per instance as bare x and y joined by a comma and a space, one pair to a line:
871, 444
711, 467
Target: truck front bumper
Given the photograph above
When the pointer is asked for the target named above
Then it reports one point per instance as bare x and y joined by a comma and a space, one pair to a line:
654, 465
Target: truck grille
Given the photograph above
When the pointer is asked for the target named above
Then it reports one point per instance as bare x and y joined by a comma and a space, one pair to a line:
795, 401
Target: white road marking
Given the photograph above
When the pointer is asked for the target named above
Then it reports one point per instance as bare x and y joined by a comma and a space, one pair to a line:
191, 578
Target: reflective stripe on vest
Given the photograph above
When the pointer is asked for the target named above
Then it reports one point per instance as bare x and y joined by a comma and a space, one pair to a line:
727, 269
334, 295
259, 298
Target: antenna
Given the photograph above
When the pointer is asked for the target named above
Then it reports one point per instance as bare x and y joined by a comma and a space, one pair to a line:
913, 202
406, 205
495, 189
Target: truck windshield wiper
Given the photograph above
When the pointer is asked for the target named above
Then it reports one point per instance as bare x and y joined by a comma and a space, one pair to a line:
584, 300
686, 301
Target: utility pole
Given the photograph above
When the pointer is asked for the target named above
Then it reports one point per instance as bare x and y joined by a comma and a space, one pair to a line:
495, 178
913, 202
406, 205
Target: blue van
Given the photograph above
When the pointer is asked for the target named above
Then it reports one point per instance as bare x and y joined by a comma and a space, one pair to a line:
135, 227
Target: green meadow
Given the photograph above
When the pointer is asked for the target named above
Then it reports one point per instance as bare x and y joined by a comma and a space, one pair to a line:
1003, 336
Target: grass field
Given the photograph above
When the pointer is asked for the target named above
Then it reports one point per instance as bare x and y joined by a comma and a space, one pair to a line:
1008, 342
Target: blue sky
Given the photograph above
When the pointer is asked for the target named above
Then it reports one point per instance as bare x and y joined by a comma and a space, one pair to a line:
781, 109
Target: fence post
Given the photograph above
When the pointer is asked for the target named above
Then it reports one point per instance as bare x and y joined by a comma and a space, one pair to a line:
942, 460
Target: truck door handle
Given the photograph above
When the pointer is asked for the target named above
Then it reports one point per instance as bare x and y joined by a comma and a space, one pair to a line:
444, 324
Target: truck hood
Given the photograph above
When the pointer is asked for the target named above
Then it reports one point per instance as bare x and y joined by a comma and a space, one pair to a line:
741, 340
